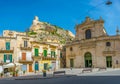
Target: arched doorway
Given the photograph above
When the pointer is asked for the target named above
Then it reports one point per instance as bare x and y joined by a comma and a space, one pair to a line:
109, 61
36, 66
88, 59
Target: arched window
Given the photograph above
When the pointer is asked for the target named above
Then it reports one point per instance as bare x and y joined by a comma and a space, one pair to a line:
88, 34
108, 44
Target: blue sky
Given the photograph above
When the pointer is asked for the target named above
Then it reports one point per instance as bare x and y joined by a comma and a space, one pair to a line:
18, 14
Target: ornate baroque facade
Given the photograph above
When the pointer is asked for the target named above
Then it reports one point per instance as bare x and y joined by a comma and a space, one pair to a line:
92, 46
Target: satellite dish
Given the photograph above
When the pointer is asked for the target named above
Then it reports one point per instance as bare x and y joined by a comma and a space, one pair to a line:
108, 3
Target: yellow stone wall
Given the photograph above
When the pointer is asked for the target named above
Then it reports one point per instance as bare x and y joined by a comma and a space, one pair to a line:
42, 64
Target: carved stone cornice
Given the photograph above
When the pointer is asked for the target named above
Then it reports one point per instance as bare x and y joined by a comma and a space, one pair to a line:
109, 53
72, 55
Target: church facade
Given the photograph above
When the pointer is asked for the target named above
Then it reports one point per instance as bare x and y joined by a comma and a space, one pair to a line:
92, 47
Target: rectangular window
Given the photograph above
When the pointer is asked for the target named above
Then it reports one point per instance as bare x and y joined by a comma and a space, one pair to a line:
71, 63
23, 56
4, 57
7, 45
25, 43
7, 57
45, 53
60, 54
24, 67
52, 53
36, 52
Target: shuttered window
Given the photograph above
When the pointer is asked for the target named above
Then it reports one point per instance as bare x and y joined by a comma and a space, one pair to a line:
60, 54
25, 43
36, 66
52, 53
36, 52
23, 56
10, 57
45, 53
7, 45
4, 57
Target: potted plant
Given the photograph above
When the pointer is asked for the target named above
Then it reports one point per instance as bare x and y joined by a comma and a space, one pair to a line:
13, 74
16, 72
1, 75
24, 72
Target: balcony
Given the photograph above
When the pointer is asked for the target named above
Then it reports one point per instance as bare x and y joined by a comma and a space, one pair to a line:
3, 50
43, 58
25, 48
36, 57
25, 61
48, 58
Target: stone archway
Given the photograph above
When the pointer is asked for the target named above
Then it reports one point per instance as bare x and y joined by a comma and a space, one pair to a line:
88, 59
108, 61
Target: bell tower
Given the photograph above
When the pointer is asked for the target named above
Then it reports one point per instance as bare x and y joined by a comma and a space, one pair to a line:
90, 28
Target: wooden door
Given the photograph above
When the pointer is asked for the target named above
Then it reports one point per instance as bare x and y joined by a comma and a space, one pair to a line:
23, 56
45, 66
109, 61
30, 67
71, 63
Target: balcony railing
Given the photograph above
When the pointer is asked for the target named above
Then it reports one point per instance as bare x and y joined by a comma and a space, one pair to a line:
43, 58
4, 50
25, 61
25, 48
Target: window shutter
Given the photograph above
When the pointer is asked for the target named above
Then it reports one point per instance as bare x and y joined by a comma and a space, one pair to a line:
10, 58
25, 43
7, 45
36, 66
36, 52
45, 53
54, 54
4, 57
61, 55
51, 53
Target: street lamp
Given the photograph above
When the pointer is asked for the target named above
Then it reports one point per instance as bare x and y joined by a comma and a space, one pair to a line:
108, 2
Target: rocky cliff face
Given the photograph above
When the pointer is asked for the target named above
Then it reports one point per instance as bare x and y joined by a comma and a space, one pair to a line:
47, 32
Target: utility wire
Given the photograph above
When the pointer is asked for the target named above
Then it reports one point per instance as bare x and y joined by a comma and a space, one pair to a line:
92, 9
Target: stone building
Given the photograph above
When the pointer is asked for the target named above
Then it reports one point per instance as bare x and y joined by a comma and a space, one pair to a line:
38, 49
31, 53
92, 47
